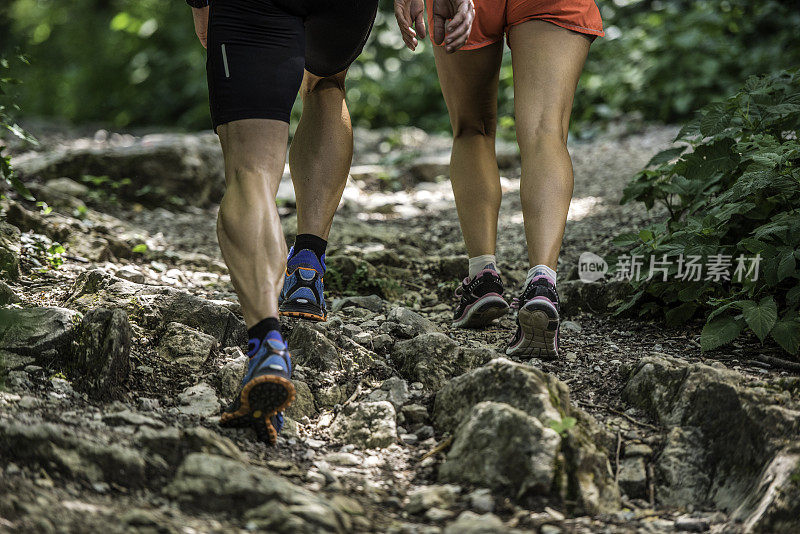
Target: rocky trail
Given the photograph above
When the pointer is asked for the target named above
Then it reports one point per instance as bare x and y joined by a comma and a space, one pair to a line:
117, 352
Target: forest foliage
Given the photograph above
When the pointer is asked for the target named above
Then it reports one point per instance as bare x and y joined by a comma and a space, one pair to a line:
137, 62
732, 190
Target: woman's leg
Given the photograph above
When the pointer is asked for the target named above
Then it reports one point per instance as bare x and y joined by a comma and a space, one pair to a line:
547, 61
469, 84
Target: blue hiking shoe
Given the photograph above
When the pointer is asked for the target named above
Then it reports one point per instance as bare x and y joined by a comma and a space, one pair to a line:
302, 293
266, 390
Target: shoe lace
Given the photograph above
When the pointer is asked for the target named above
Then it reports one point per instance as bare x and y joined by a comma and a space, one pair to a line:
460, 289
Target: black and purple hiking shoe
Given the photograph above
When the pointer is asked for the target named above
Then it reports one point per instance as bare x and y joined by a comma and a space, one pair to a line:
537, 321
481, 300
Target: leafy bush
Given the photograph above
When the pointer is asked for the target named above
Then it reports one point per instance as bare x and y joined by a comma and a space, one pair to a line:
7, 124
735, 194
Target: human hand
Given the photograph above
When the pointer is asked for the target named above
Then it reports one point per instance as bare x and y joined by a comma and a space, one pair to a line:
453, 18
201, 24
408, 12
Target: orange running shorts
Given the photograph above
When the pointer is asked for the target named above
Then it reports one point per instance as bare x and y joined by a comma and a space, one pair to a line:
494, 18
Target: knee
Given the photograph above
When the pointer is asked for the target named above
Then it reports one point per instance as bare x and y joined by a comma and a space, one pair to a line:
313, 84
473, 125
540, 130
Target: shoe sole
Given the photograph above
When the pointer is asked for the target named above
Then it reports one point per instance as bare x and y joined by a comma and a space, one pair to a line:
259, 400
302, 311
482, 312
538, 320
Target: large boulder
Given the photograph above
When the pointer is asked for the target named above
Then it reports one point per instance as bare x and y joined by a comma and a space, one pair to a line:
80, 457
208, 482
39, 332
370, 425
729, 445
101, 355
580, 474
434, 358
193, 163
311, 348
154, 306
186, 346
504, 449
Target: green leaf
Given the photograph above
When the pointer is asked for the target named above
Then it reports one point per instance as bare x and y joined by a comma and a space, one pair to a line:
760, 317
787, 334
715, 120
665, 156
786, 265
141, 248
681, 314
718, 332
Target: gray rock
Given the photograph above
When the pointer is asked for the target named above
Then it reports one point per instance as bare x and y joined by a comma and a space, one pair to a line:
67, 186
431, 168
415, 413
437, 496
774, 505
576, 296
131, 275
471, 523
127, 417
722, 434
303, 405
394, 390
410, 323
692, 524
208, 482
481, 500
230, 376
433, 358
101, 356
9, 251
186, 346
638, 449
520, 386
154, 306
633, 477
372, 303
32, 331
311, 348
505, 449
328, 397
370, 425
78, 456
7, 295
174, 444
585, 475
200, 400
193, 163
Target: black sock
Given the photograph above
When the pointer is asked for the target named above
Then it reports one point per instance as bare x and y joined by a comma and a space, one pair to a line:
260, 330
315, 244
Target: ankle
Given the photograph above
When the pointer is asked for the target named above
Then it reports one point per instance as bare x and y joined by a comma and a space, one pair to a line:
482, 262
541, 270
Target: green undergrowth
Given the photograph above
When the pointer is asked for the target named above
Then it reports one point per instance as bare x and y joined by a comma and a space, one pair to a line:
732, 193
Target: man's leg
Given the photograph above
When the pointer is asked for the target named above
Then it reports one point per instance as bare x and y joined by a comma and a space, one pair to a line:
319, 159
248, 227
252, 243
469, 85
321, 153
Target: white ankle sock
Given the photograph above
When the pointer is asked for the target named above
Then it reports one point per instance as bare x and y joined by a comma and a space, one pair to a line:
479, 263
540, 269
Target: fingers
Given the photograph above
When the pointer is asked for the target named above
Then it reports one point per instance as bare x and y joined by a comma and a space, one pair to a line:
458, 30
419, 24
438, 29
402, 12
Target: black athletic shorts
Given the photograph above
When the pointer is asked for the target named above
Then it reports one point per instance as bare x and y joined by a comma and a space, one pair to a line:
257, 50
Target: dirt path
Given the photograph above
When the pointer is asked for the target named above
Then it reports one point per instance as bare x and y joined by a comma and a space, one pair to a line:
146, 453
